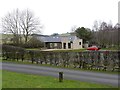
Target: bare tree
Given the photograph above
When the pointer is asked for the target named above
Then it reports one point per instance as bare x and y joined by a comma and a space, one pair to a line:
10, 24
73, 28
96, 26
95, 32
29, 24
21, 23
105, 34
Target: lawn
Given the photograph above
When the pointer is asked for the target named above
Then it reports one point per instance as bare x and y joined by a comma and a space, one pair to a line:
0, 73
59, 50
0, 79
70, 50
20, 80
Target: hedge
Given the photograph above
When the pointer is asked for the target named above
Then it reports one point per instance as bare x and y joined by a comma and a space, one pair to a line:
99, 60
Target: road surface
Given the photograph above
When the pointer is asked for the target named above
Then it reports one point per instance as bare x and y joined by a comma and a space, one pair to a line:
93, 77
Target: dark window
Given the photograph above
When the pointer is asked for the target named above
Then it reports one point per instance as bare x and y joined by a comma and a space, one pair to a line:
79, 43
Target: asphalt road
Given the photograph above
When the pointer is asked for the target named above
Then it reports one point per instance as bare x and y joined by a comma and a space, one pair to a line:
93, 77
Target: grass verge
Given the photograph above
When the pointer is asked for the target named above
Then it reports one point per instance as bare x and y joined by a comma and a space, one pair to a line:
0, 79
20, 80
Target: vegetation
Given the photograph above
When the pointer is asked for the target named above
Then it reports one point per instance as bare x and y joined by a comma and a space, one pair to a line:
0, 79
33, 43
83, 33
20, 24
98, 60
0, 59
70, 50
20, 80
103, 34
106, 35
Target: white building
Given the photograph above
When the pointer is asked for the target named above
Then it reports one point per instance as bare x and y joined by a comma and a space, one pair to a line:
61, 42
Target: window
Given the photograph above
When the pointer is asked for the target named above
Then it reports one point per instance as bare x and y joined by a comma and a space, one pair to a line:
79, 43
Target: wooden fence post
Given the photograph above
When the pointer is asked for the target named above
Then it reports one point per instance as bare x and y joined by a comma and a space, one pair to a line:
60, 76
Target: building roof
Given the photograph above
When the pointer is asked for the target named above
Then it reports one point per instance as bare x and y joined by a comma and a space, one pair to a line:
55, 38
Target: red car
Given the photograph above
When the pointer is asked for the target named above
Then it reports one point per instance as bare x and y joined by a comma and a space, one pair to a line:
93, 48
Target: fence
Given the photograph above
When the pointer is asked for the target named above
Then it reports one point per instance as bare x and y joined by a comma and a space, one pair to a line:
99, 60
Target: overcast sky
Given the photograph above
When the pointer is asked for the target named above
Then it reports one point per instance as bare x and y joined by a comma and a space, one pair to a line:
59, 16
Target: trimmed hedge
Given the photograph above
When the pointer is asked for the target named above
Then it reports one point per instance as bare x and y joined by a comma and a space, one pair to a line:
99, 60
12, 52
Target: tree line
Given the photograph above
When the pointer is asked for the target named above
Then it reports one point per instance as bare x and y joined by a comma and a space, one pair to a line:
103, 34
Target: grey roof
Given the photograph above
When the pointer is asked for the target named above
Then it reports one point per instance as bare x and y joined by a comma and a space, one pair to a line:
50, 39
55, 38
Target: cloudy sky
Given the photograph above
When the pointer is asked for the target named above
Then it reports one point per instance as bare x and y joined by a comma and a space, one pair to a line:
59, 16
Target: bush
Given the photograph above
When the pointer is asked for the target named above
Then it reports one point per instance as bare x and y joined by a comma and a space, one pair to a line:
12, 52
33, 43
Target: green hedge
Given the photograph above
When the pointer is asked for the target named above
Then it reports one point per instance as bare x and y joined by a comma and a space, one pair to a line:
99, 60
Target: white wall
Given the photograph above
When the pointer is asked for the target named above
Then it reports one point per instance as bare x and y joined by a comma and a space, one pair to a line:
76, 44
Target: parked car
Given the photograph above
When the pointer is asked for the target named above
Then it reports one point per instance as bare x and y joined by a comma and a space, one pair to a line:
93, 48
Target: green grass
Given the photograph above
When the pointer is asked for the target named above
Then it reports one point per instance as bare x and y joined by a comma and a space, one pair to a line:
20, 80
33, 49
70, 50
1, 79
0, 59
60, 50
112, 48
109, 49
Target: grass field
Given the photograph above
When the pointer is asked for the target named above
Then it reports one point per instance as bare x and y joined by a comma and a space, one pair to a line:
19, 80
0, 79
0, 74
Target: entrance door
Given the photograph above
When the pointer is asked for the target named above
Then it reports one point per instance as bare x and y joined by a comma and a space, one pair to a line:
64, 45
69, 45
